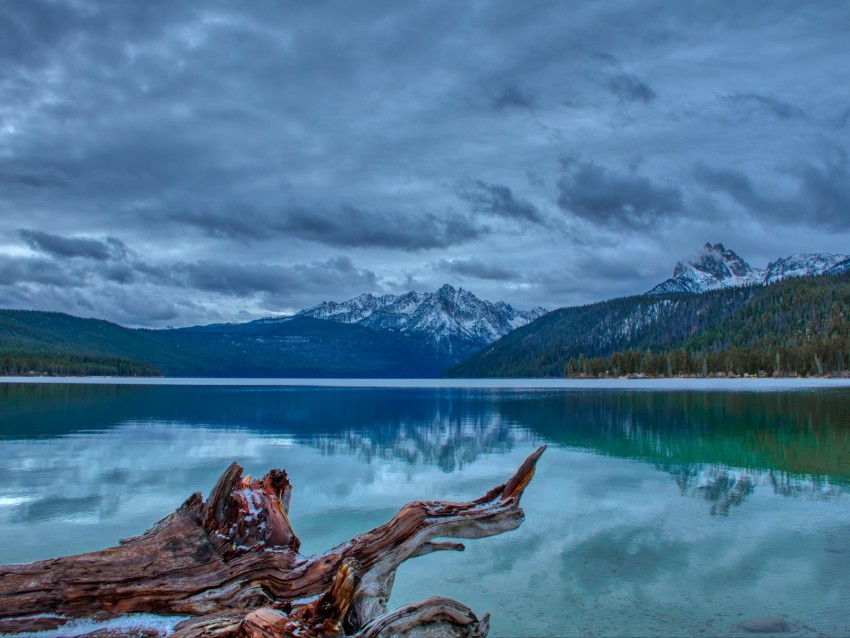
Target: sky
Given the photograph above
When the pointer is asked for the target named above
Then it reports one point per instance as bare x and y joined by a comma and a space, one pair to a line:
176, 163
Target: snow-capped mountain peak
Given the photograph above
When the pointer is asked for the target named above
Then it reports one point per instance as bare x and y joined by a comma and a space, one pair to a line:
715, 267
802, 265
453, 319
718, 267
350, 311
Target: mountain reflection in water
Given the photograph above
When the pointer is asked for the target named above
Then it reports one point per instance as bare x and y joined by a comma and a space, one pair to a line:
652, 513
783, 436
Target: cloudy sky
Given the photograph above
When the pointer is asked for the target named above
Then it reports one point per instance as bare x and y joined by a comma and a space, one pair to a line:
179, 163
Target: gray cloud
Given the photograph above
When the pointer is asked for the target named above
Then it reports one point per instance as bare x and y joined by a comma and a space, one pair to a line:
822, 195
629, 88
767, 104
241, 222
84, 247
267, 136
139, 305
241, 280
110, 272
344, 226
732, 182
608, 198
23, 272
32, 178
476, 268
825, 193
511, 97
356, 227
499, 200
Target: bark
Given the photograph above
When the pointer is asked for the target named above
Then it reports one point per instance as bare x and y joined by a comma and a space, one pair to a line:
232, 564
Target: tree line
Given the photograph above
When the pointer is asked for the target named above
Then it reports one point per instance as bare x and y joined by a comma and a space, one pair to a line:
803, 321
797, 328
73, 365
818, 358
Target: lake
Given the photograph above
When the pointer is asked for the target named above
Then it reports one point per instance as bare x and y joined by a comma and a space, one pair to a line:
663, 509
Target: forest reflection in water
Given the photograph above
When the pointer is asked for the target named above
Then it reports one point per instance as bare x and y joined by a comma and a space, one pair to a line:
797, 432
660, 512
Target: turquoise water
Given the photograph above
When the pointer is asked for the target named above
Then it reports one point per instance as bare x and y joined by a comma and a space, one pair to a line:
653, 512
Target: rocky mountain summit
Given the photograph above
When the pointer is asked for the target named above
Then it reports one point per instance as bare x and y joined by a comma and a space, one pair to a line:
719, 267
454, 321
805, 265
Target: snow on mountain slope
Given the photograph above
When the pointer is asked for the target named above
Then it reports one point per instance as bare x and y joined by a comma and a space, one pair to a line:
841, 266
718, 267
454, 320
802, 265
350, 311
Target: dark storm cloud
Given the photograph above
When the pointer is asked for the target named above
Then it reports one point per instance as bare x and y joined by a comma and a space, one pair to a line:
219, 139
499, 200
75, 293
628, 87
767, 104
345, 226
734, 183
84, 247
476, 268
119, 273
534, 179
511, 97
31, 32
18, 271
352, 227
610, 198
32, 178
821, 197
240, 222
103, 285
241, 280
825, 192
216, 276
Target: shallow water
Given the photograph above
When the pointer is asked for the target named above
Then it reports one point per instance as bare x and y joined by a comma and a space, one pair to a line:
654, 512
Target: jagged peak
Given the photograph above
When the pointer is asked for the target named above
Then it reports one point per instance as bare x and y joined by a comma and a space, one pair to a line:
808, 257
719, 267
445, 315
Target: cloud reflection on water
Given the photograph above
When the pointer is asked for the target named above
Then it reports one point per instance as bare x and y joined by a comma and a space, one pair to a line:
619, 532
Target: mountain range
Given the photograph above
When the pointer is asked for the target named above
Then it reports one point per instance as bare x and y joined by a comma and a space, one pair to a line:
426, 333
454, 322
718, 267
410, 335
795, 325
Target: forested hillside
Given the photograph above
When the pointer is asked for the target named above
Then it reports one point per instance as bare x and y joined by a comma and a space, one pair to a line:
796, 326
56, 343
53, 343
74, 365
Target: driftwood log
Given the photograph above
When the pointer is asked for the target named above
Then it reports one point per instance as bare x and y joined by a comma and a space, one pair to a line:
231, 564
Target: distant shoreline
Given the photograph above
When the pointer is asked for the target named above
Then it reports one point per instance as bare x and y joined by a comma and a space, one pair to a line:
752, 384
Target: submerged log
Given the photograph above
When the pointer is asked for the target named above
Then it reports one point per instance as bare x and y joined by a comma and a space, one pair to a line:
231, 563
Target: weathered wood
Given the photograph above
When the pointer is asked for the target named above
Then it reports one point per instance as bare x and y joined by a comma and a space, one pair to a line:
435, 616
232, 564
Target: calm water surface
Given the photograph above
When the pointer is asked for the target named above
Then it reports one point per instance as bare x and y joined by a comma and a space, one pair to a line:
652, 513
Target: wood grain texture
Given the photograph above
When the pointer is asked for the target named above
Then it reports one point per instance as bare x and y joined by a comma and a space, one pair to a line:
232, 564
